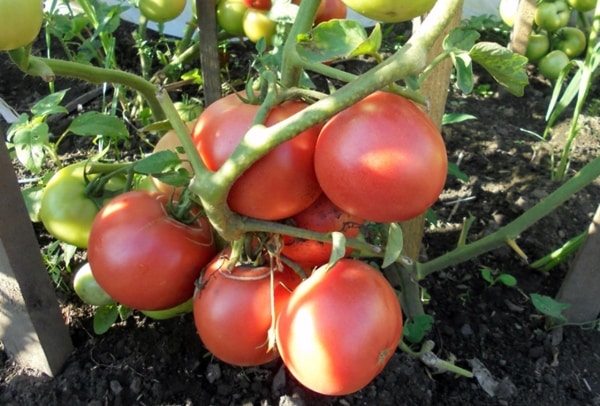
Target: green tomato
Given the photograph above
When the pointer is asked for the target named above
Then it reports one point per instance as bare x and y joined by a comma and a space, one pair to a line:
257, 25
538, 45
552, 64
390, 11
87, 288
66, 211
570, 40
551, 16
20, 22
230, 16
183, 308
161, 11
508, 11
582, 5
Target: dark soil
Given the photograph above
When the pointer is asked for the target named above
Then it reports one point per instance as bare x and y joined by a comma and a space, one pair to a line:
146, 362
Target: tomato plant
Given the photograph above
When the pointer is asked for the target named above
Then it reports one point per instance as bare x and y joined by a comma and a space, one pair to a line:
322, 216
538, 45
280, 184
551, 16
230, 16
161, 11
87, 288
144, 258
20, 22
570, 40
582, 5
257, 25
382, 159
390, 11
552, 63
67, 211
339, 328
232, 309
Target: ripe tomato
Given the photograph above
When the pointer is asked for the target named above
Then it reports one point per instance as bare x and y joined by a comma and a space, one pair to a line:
280, 184
88, 290
322, 216
66, 211
20, 22
339, 328
232, 310
170, 141
390, 11
230, 16
161, 11
329, 10
258, 4
257, 25
144, 258
381, 159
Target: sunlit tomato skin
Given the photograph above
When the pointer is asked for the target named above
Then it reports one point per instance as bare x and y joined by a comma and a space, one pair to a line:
144, 258
232, 310
161, 11
381, 159
340, 328
325, 217
230, 16
277, 186
257, 25
390, 11
20, 22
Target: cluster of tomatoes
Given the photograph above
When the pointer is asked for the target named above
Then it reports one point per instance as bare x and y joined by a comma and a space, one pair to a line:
553, 41
380, 160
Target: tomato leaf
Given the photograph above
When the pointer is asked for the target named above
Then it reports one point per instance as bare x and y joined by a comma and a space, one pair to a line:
49, 105
370, 46
332, 40
455, 118
464, 71
460, 39
94, 123
104, 318
338, 250
30, 141
415, 329
394, 246
548, 306
33, 201
157, 162
507, 67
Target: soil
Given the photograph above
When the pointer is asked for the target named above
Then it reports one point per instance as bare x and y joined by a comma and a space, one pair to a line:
145, 362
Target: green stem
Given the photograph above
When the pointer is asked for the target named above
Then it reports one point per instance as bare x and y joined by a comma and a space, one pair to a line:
94, 74
497, 239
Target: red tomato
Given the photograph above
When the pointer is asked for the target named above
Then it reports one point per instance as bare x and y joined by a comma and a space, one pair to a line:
258, 4
280, 184
144, 258
340, 328
322, 216
232, 310
329, 10
381, 159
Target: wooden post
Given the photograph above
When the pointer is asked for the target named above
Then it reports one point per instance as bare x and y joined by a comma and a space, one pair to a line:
31, 324
209, 50
581, 287
522, 28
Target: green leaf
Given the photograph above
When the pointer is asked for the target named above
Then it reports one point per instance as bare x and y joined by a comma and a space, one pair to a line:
460, 39
339, 248
157, 162
371, 46
486, 274
33, 201
507, 67
104, 318
454, 171
507, 280
94, 123
30, 141
49, 105
331, 40
455, 118
548, 306
394, 246
464, 71
414, 330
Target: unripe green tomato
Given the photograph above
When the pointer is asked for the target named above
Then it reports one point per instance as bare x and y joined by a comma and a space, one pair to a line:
538, 45
258, 25
20, 22
508, 11
551, 16
552, 64
570, 40
390, 11
230, 16
183, 308
88, 290
161, 11
582, 5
